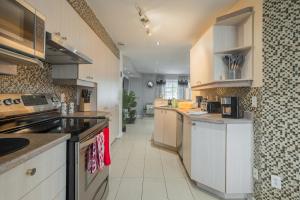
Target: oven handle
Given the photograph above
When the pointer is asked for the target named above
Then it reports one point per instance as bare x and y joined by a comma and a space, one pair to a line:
87, 143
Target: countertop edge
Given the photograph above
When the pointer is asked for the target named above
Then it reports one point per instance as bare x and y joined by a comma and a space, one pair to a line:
29, 155
202, 118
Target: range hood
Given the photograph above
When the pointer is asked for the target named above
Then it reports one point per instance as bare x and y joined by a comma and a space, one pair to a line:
60, 53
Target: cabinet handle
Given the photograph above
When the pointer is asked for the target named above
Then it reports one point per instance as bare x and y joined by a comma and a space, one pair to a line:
31, 172
64, 38
193, 124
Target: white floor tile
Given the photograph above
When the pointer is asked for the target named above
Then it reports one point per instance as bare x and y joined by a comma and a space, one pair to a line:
130, 189
117, 168
178, 189
172, 169
134, 169
153, 168
114, 184
199, 194
154, 189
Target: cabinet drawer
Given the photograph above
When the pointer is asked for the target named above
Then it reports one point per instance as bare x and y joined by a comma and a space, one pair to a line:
15, 183
50, 188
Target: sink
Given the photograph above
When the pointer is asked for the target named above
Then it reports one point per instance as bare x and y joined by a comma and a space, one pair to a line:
10, 145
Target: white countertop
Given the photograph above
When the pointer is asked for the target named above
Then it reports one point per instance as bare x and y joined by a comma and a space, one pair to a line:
210, 118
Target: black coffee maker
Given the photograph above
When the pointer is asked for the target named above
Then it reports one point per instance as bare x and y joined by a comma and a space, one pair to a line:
199, 99
230, 107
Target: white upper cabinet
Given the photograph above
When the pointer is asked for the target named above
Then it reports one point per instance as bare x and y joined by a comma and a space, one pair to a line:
52, 9
201, 59
232, 34
69, 24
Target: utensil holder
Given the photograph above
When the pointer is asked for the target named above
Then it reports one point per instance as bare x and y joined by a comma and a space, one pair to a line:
234, 73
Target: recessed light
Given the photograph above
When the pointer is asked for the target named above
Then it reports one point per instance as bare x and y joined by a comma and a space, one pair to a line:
157, 43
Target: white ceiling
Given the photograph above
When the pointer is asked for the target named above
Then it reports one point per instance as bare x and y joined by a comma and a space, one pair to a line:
174, 23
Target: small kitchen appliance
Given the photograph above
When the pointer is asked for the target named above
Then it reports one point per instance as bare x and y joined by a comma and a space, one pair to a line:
213, 107
230, 107
199, 99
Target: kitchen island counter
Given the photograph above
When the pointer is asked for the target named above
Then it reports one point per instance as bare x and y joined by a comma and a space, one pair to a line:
210, 118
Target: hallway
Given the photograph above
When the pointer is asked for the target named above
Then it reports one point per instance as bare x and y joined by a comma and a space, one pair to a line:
141, 171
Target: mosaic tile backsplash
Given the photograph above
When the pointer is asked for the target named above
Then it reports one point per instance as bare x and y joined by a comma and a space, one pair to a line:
279, 145
35, 79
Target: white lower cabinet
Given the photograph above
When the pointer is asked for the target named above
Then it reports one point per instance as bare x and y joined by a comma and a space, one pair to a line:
165, 127
208, 154
40, 178
221, 157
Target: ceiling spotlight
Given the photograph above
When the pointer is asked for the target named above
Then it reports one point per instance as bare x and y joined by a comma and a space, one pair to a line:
157, 43
148, 32
147, 25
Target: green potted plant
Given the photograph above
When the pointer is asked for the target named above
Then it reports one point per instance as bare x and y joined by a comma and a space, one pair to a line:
129, 108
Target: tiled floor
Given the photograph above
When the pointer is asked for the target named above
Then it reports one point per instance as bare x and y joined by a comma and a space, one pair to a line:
141, 171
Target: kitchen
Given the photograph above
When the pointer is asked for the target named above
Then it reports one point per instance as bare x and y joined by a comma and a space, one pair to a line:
65, 65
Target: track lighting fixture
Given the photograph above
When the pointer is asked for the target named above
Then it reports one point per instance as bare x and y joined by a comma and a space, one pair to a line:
144, 20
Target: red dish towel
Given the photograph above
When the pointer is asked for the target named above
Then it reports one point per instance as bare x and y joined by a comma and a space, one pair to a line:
107, 160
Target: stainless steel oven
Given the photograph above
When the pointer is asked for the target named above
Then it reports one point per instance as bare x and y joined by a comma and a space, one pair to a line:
22, 28
89, 186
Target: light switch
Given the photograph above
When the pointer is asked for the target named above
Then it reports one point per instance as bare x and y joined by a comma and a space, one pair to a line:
254, 101
276, 182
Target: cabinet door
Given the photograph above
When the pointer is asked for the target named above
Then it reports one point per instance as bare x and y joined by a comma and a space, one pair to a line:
239, 158
201, 59
69, 24
170, 128
52, 9
158, 125
208, 154
186, 144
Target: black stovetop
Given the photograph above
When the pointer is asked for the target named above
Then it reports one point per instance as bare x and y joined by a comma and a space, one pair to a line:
47, 123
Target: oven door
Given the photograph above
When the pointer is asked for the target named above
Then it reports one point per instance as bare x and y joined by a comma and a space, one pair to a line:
90, 186
17, 26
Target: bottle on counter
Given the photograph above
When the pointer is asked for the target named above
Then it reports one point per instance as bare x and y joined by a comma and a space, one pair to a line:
64, 108
169, 102
174, 103
71, 107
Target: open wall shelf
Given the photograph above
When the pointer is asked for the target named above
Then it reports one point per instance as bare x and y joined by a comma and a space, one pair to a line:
224, 84
236, 50
231, 34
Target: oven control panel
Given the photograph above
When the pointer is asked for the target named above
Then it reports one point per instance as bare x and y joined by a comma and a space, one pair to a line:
12, 104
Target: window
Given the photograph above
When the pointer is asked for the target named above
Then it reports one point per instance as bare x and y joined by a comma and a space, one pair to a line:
171, 89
